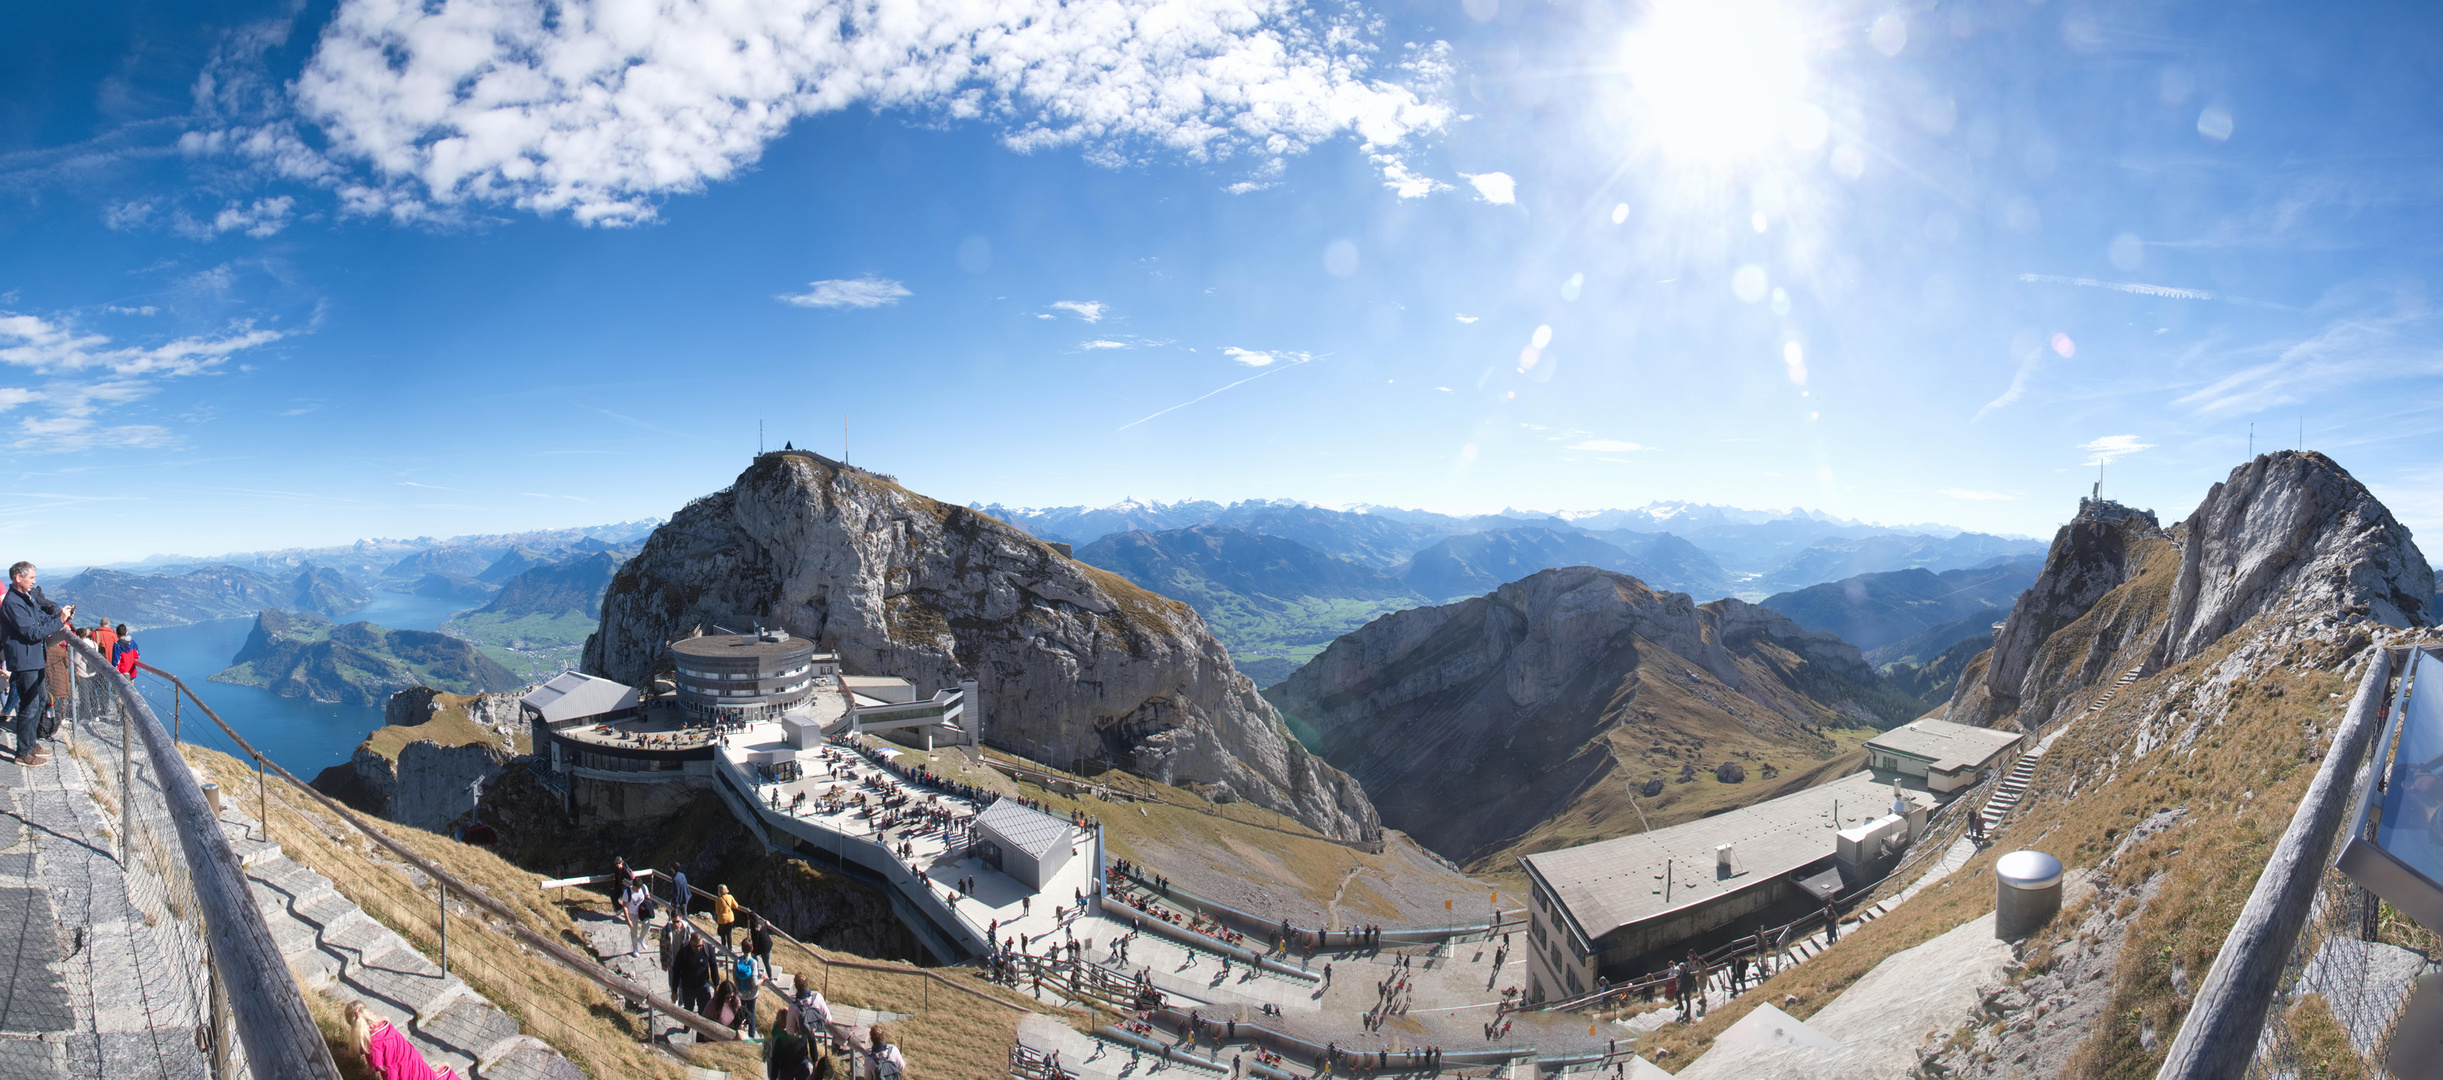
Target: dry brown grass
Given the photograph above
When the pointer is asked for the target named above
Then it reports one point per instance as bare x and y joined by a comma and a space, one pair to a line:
1289, 855
448, 726
2240, 787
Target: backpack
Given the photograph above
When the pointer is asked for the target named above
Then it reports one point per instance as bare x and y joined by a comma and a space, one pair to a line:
644, 911
887, 1063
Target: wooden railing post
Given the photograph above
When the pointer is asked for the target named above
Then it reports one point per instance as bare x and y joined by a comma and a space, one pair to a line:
2219, 1036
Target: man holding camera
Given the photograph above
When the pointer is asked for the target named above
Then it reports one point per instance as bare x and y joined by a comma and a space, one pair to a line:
28, 621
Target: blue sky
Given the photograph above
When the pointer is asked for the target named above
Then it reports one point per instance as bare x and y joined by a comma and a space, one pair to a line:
276, 275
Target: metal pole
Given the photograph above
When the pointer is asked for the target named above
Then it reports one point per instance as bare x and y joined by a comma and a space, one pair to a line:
445, 927
262, 799
175, 722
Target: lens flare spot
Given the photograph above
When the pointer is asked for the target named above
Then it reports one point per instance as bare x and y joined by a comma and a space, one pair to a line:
1620, 214
1794, 360
1748, 283
1757, 222
2215, 123
2063, 346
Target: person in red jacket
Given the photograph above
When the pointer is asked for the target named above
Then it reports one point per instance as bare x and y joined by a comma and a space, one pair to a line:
125, 659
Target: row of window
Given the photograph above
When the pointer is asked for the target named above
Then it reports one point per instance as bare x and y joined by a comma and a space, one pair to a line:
735, 676
617, 763
754, 691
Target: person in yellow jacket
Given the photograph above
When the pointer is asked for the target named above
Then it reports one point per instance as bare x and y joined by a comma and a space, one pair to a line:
725, 915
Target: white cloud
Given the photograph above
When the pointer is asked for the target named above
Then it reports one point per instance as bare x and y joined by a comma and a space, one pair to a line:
2108, 447
862, 292
599, 109
1104, 343
88, 374
1493, 187
1089, 310
1465, 319
1254, 358
1405, 184
1607, 446
1973, 495
261, 218
147, 309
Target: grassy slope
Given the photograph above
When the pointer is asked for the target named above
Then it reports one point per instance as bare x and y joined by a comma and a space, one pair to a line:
448, 726
948, 1034
1277, 851
2240, 784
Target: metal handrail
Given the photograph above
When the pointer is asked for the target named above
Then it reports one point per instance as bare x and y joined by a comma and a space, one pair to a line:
2220, 1034
561, 954
269, 1009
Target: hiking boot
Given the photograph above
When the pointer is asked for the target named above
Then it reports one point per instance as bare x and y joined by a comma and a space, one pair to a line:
38, 757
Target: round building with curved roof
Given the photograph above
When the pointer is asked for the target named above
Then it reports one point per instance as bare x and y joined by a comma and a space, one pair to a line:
743, 676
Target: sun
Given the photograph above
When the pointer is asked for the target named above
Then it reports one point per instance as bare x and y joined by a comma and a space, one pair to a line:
1721, 81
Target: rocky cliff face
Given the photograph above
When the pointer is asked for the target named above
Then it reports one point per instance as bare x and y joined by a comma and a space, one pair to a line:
1073, 662
2292, 531
2288, 534
1478, 725
418, 768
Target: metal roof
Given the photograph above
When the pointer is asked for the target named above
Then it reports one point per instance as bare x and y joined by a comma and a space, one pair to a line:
719, 646
572, 696
1031, 831
1951, 747
1609, 884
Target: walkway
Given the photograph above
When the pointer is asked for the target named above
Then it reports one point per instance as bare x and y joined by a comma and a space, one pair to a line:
99, 972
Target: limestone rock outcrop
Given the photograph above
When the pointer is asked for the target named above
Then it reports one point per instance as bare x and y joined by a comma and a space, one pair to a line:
2292, 530
1073, 662
1476, 724
2288, 534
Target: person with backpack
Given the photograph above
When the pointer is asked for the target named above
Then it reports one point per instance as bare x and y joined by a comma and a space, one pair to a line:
787, 1056
743, 976
888, 1063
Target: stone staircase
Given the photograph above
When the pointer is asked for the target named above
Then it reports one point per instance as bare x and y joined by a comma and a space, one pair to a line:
2006, 795
336, 948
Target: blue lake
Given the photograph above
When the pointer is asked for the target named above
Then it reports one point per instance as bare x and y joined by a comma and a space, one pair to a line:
303, 736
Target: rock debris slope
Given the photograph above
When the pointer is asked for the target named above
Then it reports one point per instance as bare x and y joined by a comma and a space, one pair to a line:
1496, 721
1074, 662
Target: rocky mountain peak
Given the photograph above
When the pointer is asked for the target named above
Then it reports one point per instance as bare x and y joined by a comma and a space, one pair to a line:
2090, 557
1074, 662
2292, 531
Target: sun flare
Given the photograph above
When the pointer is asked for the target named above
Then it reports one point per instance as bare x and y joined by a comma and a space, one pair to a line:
1717, 81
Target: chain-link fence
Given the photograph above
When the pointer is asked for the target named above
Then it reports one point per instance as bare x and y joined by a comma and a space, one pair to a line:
171, 950
2341, 995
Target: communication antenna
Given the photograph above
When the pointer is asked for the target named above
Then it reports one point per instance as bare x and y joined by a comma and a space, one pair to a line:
758, 438
2251, 440
843, 438
2302, 433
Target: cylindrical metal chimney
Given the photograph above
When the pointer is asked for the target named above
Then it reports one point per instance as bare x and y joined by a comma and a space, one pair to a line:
2027, 893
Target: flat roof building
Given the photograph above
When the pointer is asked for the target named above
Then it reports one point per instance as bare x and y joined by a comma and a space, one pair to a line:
1602, 909
1024, 843
1945, 755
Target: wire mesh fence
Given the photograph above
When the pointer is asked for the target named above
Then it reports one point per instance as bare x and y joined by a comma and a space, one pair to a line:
2341, 995
166, 941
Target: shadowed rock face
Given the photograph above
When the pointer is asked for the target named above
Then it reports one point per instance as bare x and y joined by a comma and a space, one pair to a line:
1473, 723
2295, 531
1073, 661
2090, 557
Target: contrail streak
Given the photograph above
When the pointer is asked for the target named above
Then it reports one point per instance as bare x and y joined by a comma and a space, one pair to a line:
1207, 394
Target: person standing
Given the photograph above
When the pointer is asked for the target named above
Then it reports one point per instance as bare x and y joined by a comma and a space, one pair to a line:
107, 640
28, 619
725, 915
632, 905
760, 943
743, 972
125, 658
680, 898
1832, 925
